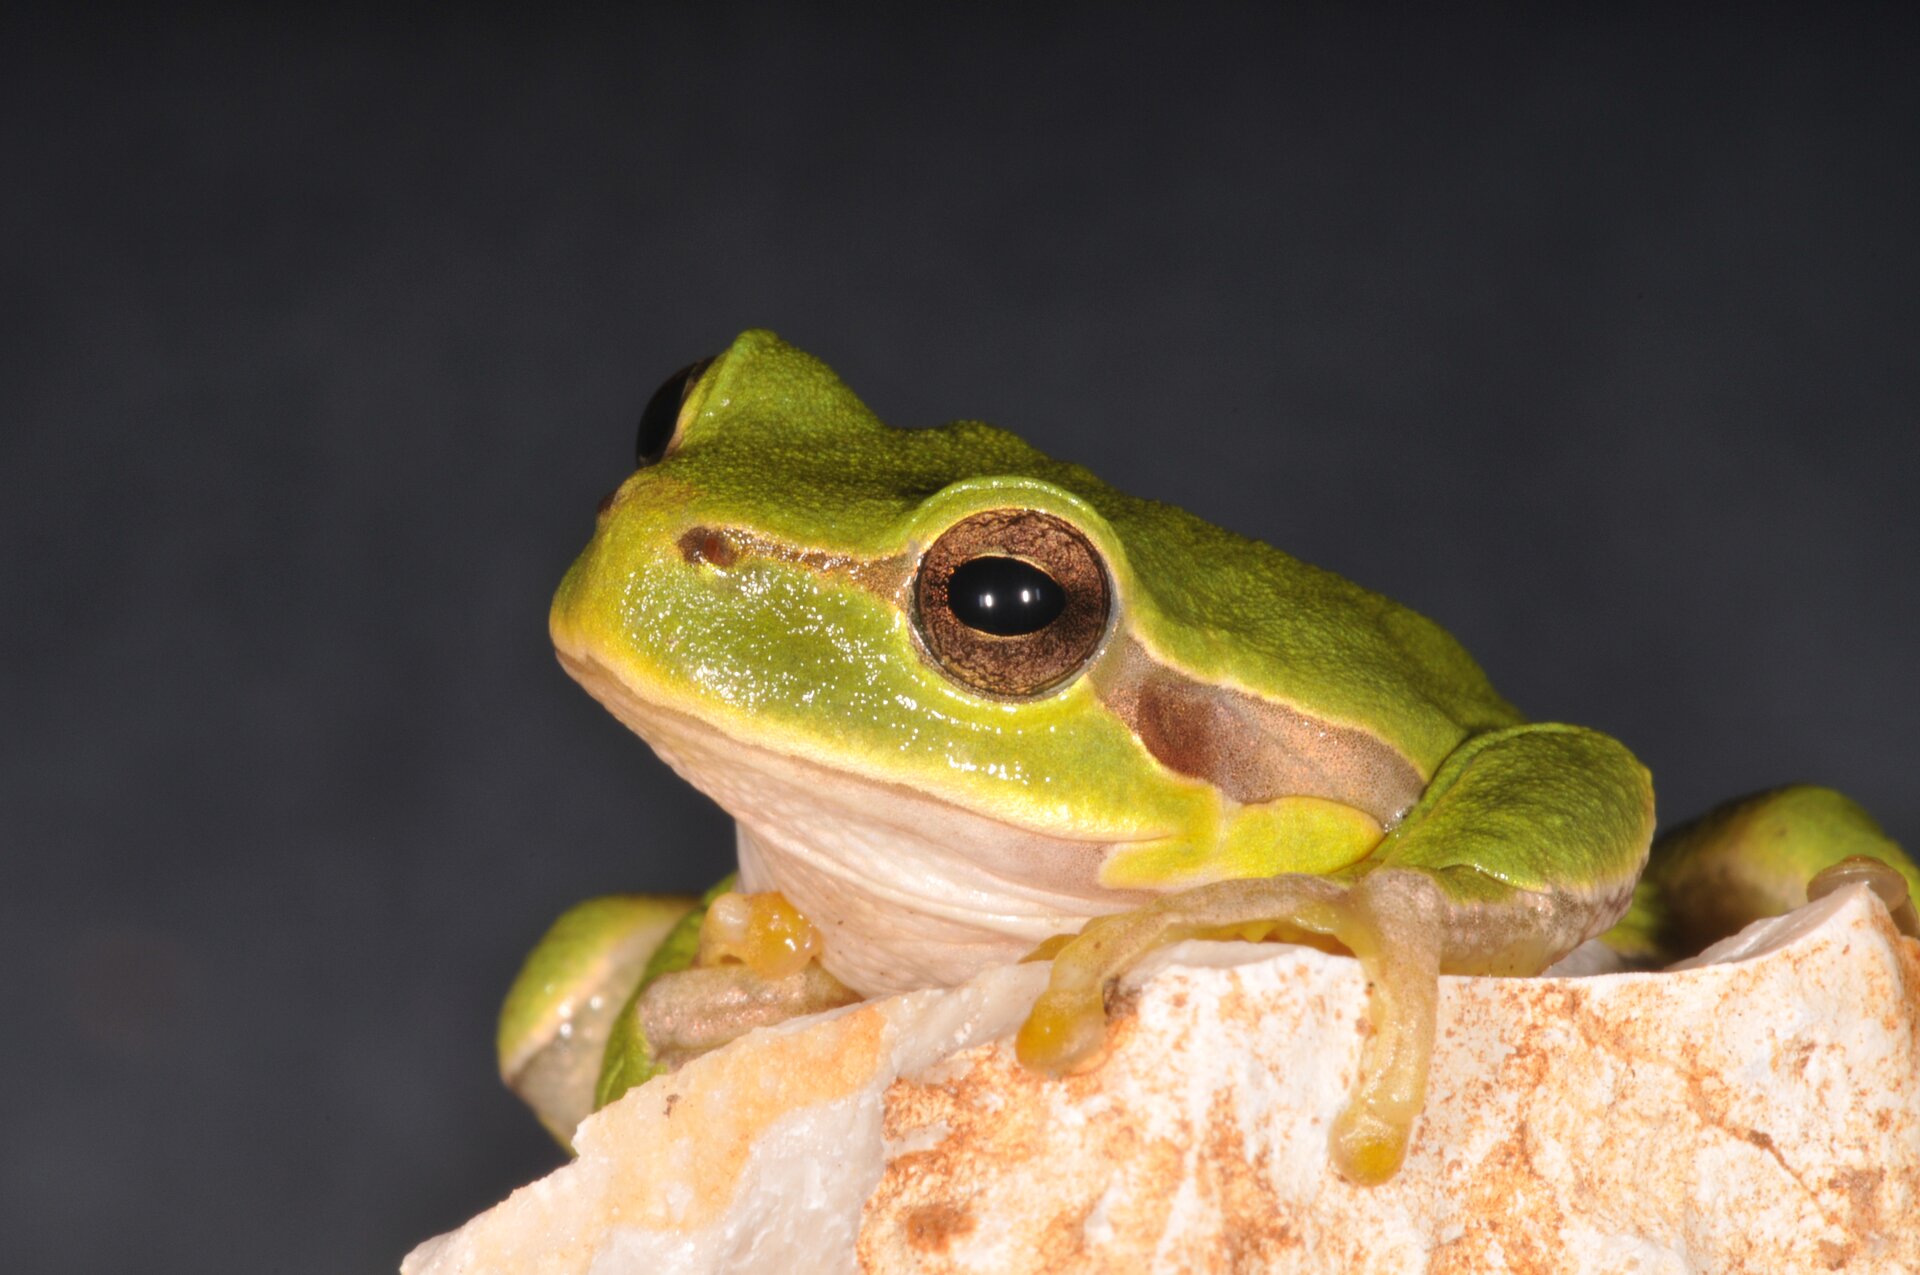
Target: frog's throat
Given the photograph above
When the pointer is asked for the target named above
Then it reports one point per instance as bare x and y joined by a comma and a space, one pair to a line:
912, 890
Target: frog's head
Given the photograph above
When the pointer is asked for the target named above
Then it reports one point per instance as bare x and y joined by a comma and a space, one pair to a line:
784, 564
919, 670
901, 604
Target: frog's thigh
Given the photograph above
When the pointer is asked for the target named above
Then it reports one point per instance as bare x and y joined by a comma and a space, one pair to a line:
1766, 854
562, 1006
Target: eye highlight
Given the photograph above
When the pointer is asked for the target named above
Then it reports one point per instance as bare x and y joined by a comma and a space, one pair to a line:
1011, 602
1004, 596
660, 421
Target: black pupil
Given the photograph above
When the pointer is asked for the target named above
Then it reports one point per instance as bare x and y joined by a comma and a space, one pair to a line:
1004, 596
663, 413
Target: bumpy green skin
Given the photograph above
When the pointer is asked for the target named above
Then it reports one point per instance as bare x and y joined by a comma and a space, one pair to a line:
773, 443
777, 445
1533, 808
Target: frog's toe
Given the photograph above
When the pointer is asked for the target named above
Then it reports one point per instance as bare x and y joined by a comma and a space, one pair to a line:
1882, 878
1368, 1147
1064, 1034
1065, 1031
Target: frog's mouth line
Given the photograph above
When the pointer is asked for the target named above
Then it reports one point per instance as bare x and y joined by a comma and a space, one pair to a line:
913, 890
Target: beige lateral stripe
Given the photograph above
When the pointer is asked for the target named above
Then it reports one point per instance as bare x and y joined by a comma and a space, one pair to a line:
1252, 749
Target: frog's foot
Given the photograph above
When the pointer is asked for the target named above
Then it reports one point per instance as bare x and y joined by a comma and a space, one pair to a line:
685, 1014
754, 966
1880, 877
734, 963
1391, 919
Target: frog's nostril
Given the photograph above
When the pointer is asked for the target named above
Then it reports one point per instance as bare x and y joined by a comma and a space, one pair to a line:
606, 502
706, 544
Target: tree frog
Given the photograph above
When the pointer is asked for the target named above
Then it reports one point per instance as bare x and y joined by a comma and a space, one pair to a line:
968, 704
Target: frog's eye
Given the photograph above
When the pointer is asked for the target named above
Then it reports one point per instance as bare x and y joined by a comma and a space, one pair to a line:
660, 423
1011, 601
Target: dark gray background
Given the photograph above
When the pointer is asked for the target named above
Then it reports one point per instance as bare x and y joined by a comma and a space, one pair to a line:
1598, 339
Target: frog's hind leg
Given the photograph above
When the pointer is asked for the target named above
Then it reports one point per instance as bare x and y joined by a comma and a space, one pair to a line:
560, 1011
1760, 856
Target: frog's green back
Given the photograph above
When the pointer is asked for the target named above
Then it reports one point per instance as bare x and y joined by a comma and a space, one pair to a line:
803, 458
1236, 610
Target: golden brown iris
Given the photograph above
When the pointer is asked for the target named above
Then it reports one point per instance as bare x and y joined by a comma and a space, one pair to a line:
1070, 622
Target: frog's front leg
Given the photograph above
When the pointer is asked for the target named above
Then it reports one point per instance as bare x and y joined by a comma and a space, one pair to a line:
1526, 843
1391, 919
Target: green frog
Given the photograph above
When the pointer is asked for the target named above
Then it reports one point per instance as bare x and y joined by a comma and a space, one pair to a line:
969, 705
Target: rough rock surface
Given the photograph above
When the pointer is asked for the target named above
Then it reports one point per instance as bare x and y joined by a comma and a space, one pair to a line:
1758, 1111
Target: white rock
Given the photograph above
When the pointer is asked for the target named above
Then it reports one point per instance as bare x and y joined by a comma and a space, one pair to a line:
1757, 1111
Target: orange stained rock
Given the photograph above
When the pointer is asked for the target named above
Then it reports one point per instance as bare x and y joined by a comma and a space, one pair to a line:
1756, 1114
